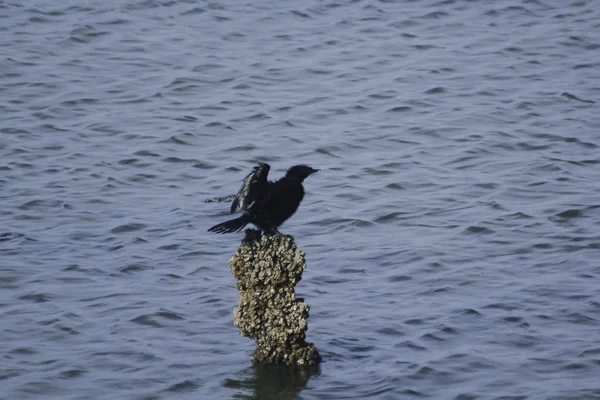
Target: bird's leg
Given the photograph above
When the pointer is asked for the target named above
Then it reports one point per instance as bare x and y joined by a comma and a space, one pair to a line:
272, 231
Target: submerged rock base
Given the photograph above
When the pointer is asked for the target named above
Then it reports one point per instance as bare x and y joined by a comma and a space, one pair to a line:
267, 268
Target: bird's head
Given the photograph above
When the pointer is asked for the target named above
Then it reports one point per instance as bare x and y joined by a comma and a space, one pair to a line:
300, 172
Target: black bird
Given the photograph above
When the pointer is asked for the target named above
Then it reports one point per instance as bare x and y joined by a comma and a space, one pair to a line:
266, 204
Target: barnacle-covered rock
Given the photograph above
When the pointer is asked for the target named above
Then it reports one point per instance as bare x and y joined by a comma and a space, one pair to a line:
267, 267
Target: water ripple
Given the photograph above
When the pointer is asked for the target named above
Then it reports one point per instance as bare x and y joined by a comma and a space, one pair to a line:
451, 235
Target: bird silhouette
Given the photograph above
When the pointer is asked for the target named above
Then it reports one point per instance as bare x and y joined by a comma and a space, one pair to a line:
266, 204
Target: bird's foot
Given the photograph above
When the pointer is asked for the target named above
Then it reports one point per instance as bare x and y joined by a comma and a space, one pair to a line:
272, 232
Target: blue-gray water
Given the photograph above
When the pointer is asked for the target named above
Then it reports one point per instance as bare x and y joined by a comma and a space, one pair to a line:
452, 236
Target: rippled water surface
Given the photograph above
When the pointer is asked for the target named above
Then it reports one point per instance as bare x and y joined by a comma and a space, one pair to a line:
452, 235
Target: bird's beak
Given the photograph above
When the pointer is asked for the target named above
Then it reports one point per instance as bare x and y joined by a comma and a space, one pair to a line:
314, 170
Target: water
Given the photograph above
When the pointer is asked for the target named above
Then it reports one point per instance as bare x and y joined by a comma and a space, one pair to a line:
452, 236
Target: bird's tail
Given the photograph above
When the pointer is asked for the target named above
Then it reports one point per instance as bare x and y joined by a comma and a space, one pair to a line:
233, 225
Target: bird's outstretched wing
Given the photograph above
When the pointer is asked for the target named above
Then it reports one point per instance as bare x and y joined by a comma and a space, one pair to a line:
254, 187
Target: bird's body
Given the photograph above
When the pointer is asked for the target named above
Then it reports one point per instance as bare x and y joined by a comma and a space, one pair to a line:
267, 204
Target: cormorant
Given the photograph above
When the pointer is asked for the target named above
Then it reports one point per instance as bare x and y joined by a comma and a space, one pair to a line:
266, 204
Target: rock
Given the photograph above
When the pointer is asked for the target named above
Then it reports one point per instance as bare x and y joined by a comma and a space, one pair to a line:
266, 269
